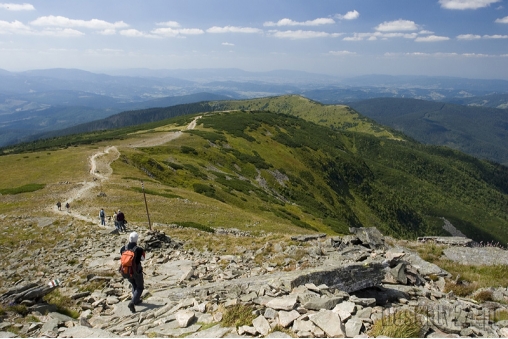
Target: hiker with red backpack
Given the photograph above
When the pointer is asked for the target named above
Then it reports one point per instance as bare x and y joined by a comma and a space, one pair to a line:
130, 267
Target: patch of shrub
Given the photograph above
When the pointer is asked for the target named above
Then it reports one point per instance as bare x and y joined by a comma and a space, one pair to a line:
22, 189
401, 324
483, 296
461, 289
500, 315
188, 150
238, 315
195, 225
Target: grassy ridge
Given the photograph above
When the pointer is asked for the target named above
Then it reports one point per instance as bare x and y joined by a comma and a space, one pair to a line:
283, 173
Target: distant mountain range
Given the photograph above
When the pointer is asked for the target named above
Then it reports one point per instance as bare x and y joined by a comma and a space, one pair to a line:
35, 104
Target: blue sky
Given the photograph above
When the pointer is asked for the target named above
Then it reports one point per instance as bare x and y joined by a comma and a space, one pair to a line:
466, 38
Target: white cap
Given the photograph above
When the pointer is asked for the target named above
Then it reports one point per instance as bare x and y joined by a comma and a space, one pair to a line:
133, 237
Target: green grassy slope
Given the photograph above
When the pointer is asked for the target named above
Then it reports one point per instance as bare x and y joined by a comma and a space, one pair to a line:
290, 174
323, 180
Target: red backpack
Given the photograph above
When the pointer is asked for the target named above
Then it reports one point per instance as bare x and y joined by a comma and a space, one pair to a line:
127, 262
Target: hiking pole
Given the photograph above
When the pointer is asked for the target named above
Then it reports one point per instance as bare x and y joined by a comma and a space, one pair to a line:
146, 205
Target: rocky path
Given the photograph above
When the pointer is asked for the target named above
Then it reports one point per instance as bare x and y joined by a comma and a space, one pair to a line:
100, 170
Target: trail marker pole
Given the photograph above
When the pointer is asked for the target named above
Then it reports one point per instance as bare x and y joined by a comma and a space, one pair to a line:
146, 205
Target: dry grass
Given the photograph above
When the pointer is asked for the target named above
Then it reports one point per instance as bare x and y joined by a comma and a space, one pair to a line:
238, 315
402, 324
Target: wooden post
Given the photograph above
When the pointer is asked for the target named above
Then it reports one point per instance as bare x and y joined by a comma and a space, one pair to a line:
146, 205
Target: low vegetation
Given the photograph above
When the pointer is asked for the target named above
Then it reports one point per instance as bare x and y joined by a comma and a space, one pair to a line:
238, 315
402, 324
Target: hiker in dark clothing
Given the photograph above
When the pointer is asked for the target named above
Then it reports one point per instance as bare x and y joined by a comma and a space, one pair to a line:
59, 205
120, 217
67, 206
137, 281
102, 217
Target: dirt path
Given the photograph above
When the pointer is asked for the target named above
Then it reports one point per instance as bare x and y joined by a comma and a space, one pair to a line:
100, 169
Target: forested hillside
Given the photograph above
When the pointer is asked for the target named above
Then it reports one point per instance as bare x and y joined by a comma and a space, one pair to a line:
478, 131
314, 177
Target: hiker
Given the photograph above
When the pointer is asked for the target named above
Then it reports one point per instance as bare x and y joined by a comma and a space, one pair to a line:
115, 220
120, 217
102, 216
67, 206
136, 279
59, 205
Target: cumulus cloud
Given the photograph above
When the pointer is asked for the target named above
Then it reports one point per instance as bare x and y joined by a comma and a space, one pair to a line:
351, 15
134, 33
171, 32
432, 38
17, 27
469, 37
14, 27
466, 4
300, 34
227, 44
495, 36
60, 21
502, 20
379, 35
289, 22
173, 24
233, 29
109, 31
17, 7
397, 25
341, 53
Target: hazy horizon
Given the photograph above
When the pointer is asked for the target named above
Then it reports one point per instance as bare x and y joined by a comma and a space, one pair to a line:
457, 38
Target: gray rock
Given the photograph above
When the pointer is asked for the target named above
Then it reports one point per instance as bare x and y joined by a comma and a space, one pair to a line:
184, 318
4, 334
287, 318
85, 332
353, 327
329, 322
346, 306
216, 331
270, 313
303, 326
278, 334
50, 325
322, 303
171, 331
369, 236
261, 325
286, 303
365, 302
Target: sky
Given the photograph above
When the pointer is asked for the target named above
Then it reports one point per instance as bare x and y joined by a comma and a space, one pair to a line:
464, 38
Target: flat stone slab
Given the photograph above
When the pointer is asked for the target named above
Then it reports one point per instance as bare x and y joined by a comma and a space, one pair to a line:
213, 332
122, 310
4, 334
452, 241
477, 255
86, 332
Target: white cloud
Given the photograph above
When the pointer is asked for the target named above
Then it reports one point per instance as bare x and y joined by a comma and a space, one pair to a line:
60, 32
109, 31
469, 37
476, 55
171, 33
466, 4
495, 36
432, 38
289, 22
60, 21
351, 15
425, 32
227, 44
502, 20
233, 29
17, 7
173, 24
341, 53
134, 33
397, 25
379, 35
299, 34
15, 27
